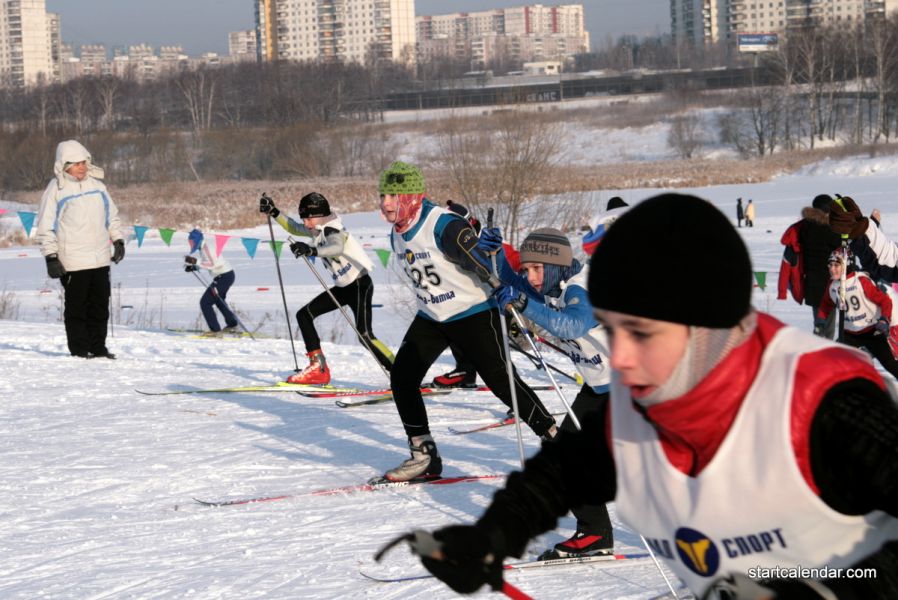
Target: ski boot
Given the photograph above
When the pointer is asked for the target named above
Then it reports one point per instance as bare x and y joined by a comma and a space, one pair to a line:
580, 544
424, 463
316, 373
456, 379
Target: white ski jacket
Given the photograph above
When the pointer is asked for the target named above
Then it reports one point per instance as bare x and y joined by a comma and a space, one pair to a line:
77, 219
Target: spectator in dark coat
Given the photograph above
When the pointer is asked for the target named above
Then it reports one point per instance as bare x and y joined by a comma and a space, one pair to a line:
817, 243
740, 213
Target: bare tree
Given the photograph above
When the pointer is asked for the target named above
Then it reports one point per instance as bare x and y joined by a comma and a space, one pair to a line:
197, 90
107, 90
686, 135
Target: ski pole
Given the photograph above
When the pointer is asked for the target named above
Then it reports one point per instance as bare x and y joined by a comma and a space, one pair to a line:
509, 367
342, 310
843, 305
535, 361
277, 264
567, 406
660, 570
211, 286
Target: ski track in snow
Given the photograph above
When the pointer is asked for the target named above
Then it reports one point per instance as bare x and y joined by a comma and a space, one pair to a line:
96, 480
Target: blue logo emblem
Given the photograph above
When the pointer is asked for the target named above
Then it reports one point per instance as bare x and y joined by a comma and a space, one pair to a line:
410, 257
697, 552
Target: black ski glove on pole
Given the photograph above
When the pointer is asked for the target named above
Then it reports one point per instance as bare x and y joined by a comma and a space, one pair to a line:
468, 559
300, 249
266, 205
54, 268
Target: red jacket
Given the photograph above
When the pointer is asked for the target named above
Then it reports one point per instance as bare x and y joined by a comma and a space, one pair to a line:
792, 268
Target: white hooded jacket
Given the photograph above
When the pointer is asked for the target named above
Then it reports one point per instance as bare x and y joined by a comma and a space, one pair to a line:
77, 220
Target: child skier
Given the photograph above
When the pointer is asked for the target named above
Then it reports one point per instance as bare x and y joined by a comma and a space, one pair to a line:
868, 310
448, 273
217, 292
735, 445
348, 265
552, 295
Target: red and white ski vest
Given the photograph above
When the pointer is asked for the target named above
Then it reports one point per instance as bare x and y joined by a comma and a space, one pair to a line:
750, 506
861, 312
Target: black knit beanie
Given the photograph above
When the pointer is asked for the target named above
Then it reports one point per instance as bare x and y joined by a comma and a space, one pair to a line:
615, 202
631, 273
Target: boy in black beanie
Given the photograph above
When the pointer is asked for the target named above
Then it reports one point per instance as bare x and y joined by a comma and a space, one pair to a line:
736, 446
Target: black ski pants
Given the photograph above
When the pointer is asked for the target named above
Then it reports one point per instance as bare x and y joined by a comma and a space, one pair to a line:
592, 519
357, 296
86, 310
877, 345
479, 338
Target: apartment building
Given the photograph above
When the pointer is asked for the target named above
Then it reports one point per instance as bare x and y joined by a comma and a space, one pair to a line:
713, 21
30, 44
523, 33
345, 30
242, 45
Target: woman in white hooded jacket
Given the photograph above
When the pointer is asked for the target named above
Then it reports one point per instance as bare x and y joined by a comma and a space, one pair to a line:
76, 222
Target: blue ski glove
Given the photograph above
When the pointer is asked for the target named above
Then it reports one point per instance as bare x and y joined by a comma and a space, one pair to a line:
468, 561
490, 240
300, 249
506, 295
882, 327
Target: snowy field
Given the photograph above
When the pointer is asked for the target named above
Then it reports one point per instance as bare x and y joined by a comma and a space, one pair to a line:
97, 480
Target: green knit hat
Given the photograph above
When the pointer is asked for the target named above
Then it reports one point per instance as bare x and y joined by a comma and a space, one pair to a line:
401, 178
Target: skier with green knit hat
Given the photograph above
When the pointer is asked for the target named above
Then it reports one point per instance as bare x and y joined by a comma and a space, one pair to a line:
453, 285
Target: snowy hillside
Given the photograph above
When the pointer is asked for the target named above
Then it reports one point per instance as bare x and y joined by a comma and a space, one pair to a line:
98, 480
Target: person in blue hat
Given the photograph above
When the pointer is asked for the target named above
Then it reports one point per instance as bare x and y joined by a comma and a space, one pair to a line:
217, 292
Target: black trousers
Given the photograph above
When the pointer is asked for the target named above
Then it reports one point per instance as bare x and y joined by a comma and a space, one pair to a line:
877, 345
592, 519
357, 296
86, 310
479, 338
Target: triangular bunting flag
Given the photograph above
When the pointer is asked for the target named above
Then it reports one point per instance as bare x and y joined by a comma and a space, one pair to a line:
2, 210
220, 241
276, 248
140, 230
761, 278
383, 255
165, 233
250, 244
27, 219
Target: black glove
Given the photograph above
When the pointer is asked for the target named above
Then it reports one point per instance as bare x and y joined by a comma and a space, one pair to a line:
468, 561
190, 268
118, 251
54, 268
266, 205
302, 249
848, 220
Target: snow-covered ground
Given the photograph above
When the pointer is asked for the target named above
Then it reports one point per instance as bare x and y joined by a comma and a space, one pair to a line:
97, 480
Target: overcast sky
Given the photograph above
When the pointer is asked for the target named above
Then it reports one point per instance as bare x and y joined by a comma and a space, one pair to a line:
203, 25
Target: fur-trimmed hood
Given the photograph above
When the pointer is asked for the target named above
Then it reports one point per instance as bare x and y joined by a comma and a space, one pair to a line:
71, 151
815, 215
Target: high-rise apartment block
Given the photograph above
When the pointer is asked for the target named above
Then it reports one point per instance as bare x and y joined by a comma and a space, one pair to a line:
30, 45
713, 21
523, 33
346, 30
242, 45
